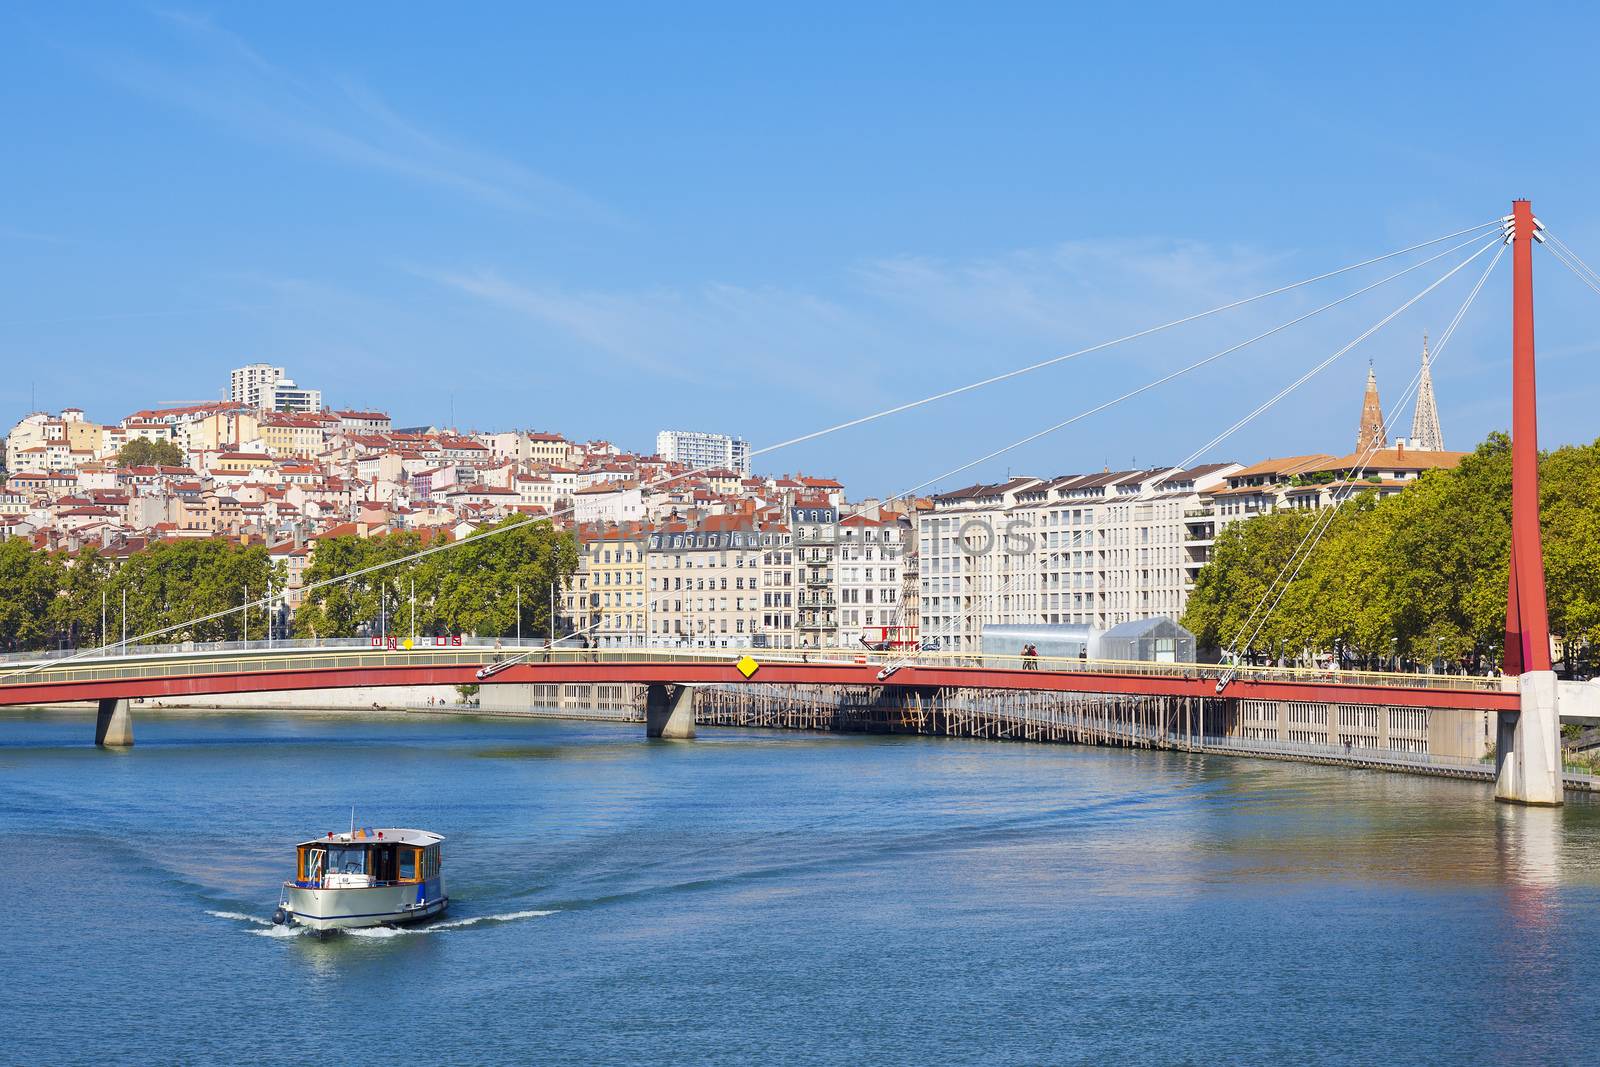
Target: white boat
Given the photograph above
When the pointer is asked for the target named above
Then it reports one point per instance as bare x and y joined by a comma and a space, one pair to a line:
366, 877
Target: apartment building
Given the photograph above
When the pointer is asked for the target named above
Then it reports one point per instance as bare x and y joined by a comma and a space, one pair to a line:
779, 596
871, 555
1309, 483
1088, 549
298, 436
268, 388
618, 501
705, 583
42, 441
606, 598
364, 421
698, 451
813, 525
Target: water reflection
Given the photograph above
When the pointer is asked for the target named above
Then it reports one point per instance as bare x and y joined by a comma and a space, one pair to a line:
1529, 843
1285, 823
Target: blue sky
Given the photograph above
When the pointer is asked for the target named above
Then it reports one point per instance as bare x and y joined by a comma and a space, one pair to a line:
607, 221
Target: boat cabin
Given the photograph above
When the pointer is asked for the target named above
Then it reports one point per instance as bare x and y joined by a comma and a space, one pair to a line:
368, 857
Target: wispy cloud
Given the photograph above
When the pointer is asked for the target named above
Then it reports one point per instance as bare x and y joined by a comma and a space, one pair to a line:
878, 326
896, 328
11, 233
717, 336
1073, 289
222, 78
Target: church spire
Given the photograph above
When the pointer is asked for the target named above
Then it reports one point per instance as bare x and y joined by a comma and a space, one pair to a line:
1425, 433
1371, 434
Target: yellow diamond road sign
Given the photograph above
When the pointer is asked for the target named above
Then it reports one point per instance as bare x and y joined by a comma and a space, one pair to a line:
747, 666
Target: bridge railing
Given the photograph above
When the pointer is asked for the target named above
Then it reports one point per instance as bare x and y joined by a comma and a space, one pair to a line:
184, 647
239, 657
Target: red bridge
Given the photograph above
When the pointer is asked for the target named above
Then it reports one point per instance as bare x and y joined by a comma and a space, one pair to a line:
1527, 747
262, 669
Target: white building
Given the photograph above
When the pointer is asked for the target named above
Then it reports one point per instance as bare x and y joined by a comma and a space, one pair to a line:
1095, 550
261, 385
871, 556
814, 524
704, 450
609, 502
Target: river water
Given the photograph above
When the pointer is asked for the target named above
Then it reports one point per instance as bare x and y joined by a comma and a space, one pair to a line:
780, 898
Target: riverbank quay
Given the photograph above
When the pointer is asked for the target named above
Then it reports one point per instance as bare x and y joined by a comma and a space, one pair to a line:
1437, 742
1156, 723
1037, 717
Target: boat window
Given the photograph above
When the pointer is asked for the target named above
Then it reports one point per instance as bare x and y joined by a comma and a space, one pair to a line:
383, 862
315, 865
408, 864
347, 860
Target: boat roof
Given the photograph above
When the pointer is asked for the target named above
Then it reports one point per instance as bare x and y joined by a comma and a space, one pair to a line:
368, 835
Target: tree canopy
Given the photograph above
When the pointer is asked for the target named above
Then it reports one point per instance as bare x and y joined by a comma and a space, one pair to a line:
142, 452
1416, 574
470, 588
53, 599
50, 599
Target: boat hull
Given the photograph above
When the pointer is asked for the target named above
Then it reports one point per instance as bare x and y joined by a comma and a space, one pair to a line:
353, 908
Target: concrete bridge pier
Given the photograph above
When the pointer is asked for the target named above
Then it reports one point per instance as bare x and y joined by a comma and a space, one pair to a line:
113, 726
1527, 754
669, 712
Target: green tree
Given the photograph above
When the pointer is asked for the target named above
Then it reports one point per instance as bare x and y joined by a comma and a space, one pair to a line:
466, 588
141, 452
76, 610
1418, 573
30, 581
1246, 559
172, 584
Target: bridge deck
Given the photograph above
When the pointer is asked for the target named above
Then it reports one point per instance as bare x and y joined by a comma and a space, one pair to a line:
250, 669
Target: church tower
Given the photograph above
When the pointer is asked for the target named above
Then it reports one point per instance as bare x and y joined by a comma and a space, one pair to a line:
1425, 433
1371, 435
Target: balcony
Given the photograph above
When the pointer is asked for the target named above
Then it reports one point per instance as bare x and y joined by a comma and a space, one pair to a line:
818, 578
823, 536
813, 622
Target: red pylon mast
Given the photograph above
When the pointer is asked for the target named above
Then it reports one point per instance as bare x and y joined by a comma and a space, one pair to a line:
1527, 620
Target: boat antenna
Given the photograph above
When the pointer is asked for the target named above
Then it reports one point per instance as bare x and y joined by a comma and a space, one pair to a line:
352, 820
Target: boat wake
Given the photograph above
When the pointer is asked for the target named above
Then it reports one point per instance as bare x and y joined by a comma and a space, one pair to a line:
239, 916
267, 927
290, 930
449, 924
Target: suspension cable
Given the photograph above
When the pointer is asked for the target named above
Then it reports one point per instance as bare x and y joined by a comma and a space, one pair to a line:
1324, 519
1543, 229
667, 480
946, 394
1005, 586
1196, 366
1570, 259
